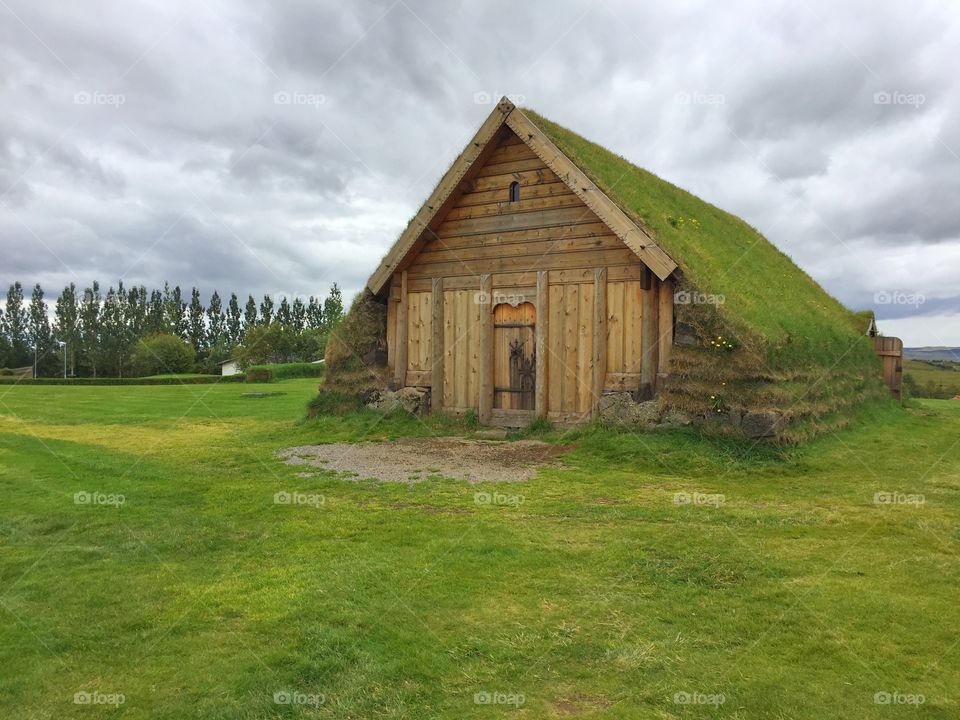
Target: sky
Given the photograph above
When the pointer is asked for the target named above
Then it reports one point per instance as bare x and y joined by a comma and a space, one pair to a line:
278, 147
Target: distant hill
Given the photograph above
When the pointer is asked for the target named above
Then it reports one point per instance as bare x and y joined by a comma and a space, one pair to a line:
932, 353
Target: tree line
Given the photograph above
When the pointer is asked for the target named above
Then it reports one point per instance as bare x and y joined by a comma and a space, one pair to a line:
109, 334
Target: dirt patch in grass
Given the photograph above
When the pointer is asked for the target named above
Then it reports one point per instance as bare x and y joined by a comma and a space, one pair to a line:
416, 459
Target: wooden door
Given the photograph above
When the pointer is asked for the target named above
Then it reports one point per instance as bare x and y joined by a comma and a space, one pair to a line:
514, 357
890, 350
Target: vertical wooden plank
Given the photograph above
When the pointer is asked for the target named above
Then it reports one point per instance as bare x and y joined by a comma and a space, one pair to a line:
449, 363
400, 371
542, 326
413, 336
555, 338
599, 359
464, 300
391, 333
486, 348
436, 347
665, 327
585, 348
472, 350
616, 320
633, 322
426, 330
571, 311
650, 353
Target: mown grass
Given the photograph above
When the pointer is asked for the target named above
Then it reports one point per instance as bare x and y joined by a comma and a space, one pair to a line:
596, 596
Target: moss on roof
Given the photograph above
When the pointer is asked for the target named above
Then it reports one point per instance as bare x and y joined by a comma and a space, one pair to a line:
765, 293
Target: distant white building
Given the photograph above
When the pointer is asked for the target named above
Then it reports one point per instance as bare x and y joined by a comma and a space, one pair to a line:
229, 367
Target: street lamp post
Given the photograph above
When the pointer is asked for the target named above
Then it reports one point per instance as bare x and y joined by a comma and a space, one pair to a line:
62, 344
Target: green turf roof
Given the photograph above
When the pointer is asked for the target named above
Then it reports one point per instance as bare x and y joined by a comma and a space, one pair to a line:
765, 292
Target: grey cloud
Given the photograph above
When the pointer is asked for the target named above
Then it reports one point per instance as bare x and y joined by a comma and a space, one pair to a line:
275, 197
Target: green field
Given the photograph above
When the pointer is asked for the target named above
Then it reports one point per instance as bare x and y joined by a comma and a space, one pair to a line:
938, 379
795, 595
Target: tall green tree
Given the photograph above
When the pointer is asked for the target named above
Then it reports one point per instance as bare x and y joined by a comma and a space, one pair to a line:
234, 321
40, 337
175, 311
196, 328
314, 314
4, 342
249, 314
156, 322
284, 316
333, 308
216, 322
136, 311
298, 315
66, 316
90, 329
16, 328
266, 310
115, 337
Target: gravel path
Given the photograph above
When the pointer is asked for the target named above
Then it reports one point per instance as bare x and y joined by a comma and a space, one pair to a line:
416, 459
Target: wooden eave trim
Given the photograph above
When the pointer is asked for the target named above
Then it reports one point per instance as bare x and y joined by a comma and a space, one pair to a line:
447, 185
633, 236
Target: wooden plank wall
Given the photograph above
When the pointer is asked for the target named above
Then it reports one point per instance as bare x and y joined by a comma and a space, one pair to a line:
554, 249
624, 335
570, 348
549, 228
419, 338
461, 349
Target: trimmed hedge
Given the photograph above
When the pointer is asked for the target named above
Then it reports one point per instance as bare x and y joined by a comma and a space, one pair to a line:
283, 371
202, 380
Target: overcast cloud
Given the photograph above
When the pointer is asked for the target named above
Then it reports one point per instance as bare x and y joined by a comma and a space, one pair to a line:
279, 147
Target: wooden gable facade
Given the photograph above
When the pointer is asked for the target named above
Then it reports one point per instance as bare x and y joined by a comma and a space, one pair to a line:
520, 290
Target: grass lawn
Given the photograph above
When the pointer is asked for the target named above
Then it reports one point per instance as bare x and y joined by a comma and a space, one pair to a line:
795, 595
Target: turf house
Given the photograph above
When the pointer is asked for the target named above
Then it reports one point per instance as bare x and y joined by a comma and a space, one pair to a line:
546, 277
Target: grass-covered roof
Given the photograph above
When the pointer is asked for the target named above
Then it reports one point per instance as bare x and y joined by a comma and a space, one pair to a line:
765, 292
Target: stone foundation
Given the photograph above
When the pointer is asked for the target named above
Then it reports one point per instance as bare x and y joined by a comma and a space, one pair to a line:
413, 400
